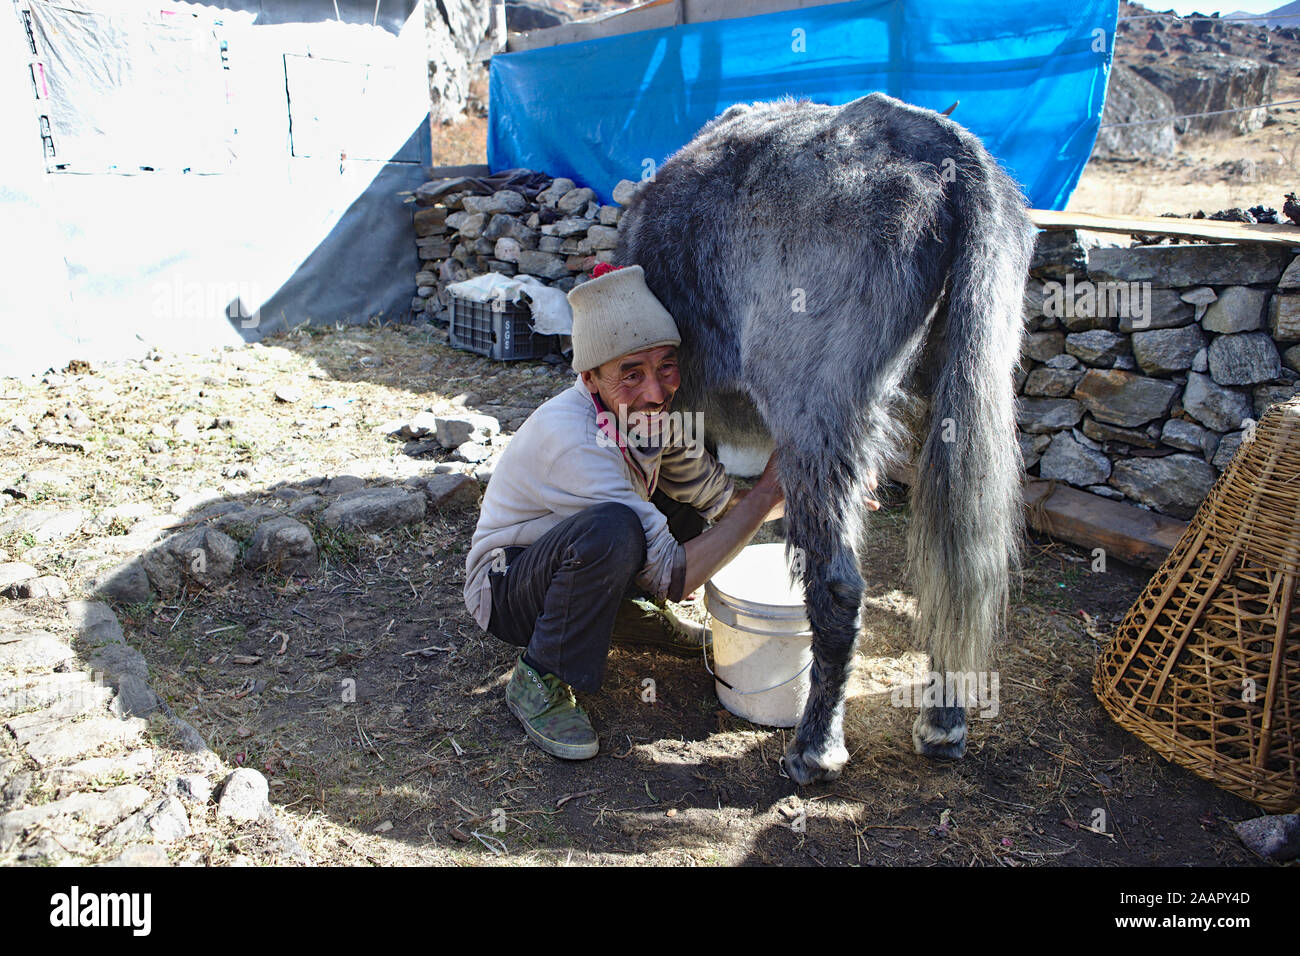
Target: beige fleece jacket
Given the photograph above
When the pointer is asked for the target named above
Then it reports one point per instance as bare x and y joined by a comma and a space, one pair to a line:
555, 466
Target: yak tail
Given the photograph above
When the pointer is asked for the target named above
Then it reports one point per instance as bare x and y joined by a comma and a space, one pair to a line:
967, 519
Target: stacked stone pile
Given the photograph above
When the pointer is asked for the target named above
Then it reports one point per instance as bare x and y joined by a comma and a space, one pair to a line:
559, 236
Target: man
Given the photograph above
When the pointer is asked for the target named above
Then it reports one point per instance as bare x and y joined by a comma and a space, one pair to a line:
573, 522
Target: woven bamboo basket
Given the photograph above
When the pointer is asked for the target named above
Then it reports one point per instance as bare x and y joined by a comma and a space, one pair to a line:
1205, 667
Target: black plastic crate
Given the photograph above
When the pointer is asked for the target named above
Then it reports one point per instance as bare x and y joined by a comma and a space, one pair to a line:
500, 330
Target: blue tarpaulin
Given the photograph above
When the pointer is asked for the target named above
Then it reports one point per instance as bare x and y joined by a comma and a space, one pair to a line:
1031, 79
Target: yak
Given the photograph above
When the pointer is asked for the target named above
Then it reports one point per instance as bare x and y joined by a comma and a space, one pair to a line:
848, 284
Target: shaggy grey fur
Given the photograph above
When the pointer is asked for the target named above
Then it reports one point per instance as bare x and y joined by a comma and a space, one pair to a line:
907, 248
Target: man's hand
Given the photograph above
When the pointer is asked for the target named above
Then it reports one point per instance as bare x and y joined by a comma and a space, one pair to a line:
766, 490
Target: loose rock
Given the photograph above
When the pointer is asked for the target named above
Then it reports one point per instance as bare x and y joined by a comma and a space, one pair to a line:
374, 509
194, 788
244, 796
472, 452
450, 491
284, 546
344, 484
308, 504
454, 431
1275, 837
203, 557
127, 584
46, 586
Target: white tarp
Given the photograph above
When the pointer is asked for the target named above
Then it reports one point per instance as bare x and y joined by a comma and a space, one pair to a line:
104, 259
129, 89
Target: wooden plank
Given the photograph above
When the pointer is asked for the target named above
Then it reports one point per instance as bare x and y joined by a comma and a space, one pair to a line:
1090, 521
1262, 233
455, 172
1126, 532
652, 16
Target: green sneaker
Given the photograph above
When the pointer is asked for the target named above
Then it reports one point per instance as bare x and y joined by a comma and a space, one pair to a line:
641, 621
550, 714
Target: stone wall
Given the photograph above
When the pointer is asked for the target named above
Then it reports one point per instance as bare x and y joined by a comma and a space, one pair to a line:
557, 234
1143, 368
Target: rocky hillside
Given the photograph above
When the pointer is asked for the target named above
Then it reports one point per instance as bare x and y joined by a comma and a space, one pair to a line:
1166, 68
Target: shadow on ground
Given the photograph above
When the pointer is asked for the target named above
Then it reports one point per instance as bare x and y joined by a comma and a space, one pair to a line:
375, 706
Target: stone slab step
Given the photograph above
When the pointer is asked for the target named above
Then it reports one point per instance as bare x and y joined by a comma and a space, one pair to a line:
32, 650
97, 809
131, 765
32, 691
77, 699
73, 740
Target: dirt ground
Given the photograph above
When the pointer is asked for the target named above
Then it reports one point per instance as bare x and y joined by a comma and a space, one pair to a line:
375, 705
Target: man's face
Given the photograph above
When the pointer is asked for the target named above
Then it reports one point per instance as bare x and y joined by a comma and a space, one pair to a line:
639, 386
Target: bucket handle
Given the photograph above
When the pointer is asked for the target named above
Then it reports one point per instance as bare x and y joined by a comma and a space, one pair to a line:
704, 648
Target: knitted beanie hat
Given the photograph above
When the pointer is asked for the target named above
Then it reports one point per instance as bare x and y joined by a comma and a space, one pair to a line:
614, 314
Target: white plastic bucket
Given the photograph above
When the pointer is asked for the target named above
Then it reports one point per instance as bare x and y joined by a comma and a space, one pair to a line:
762, 643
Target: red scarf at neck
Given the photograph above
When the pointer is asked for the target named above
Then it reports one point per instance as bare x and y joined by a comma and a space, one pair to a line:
610, 427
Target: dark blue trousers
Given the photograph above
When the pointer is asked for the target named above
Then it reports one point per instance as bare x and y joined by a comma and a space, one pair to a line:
559, 596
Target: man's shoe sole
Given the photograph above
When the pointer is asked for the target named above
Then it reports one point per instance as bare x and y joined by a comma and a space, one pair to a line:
555, 748
685, 650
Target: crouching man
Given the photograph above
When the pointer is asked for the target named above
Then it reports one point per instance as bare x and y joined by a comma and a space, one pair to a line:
596, 514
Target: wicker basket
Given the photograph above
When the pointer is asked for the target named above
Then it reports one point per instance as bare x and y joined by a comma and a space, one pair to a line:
1205, 667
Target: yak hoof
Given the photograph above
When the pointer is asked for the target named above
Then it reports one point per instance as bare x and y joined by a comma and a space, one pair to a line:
805, 768
940, 732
